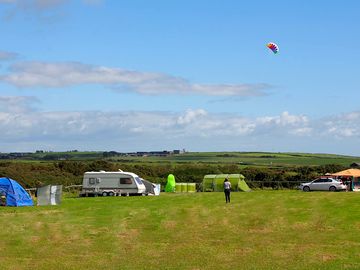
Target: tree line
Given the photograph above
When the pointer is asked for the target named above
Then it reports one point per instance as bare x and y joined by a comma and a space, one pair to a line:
35, 174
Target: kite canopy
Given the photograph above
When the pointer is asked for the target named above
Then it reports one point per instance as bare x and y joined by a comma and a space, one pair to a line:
272, 46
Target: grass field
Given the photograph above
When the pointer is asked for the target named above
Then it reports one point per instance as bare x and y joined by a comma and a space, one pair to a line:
249, 158
258, 230
240, 158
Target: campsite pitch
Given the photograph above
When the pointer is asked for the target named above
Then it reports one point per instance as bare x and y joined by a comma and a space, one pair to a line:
257, 230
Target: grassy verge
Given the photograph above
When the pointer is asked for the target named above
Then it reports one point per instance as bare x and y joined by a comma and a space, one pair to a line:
258, 230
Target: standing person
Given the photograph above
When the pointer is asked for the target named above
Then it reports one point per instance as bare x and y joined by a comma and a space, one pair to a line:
2, 199
227, 188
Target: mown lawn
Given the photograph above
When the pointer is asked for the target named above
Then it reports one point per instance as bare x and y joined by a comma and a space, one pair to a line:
258, 230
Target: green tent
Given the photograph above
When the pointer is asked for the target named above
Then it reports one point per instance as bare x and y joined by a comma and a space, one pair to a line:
215, 182
171, 184
208, 182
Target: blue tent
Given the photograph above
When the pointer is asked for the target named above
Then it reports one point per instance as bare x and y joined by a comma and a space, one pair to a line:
15, 194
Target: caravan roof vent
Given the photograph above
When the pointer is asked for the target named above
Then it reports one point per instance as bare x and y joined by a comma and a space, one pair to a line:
120, 170
102, 171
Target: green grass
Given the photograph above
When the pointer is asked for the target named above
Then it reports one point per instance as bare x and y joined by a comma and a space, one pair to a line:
249, 158
245, 158
258, 230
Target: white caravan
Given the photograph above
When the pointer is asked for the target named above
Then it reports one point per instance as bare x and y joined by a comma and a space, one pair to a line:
111, 184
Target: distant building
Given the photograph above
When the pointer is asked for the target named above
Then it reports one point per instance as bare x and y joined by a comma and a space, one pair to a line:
160, 153
15, 155
142, 154
153, 154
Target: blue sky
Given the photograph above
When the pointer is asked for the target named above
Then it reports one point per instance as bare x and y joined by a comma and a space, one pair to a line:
154, 75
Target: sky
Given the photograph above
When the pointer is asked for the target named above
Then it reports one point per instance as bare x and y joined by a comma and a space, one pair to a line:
139, 75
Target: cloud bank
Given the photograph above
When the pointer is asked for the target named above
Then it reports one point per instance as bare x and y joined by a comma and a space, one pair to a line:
194, 129
45, 10
44, 4
65, 74
17, 104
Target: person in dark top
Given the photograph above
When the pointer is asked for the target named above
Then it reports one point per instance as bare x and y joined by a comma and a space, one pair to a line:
2, 199
227, 188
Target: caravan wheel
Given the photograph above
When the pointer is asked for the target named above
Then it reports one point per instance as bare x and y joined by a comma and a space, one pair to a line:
111, 193
104, 194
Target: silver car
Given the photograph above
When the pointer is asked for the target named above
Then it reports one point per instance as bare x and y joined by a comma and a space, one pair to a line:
328, 184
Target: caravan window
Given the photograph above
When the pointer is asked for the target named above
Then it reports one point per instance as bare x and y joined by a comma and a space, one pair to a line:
92, 181
125, 181
138, 180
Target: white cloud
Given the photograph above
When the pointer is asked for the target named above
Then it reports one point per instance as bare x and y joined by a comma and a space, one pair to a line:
285, 119
230, 89
27, 5
5, 56
194, 129
64, 74
190, 116
44, 4
45, 10
344, 125
17, 104
193, 123
302, 131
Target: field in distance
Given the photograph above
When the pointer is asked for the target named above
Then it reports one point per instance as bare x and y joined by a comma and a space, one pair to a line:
240, 158
250, 158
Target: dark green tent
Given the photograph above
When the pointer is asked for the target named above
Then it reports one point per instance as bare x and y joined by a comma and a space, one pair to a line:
215, 182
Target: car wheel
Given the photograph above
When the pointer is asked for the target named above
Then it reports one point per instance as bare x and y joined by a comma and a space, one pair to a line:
306, 189
104, 194
332, 188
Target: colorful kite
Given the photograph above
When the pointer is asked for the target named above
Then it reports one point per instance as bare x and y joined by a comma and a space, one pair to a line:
273, 47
